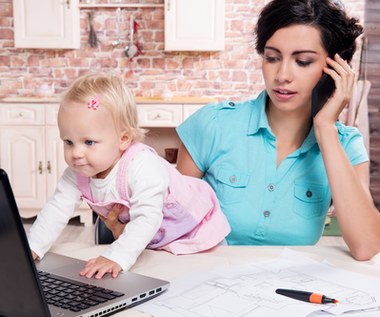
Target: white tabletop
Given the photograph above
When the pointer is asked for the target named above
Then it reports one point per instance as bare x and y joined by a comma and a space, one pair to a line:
161, 264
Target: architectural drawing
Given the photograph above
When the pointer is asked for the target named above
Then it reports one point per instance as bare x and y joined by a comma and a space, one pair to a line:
251, 292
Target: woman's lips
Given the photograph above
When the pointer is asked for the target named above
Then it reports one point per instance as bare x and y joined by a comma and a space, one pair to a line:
284, 94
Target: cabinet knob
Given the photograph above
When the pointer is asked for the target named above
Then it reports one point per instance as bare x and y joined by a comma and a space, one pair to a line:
20, 114
49, 167
40, 167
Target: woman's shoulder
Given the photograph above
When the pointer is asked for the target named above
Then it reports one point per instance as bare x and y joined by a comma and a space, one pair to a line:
227, 108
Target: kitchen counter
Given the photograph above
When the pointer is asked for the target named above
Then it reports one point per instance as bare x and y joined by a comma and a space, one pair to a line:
139, 100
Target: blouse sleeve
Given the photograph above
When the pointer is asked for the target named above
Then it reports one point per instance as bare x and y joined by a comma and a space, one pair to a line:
199, 134
353, 144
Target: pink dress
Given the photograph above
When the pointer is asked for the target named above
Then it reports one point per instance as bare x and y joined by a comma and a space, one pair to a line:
193, 220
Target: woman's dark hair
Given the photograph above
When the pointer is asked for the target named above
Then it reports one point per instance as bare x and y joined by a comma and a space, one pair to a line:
338, 31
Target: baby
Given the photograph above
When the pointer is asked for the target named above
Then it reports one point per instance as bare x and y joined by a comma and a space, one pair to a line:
108, 165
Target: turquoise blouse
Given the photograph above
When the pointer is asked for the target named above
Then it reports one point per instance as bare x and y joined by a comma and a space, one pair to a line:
233, 145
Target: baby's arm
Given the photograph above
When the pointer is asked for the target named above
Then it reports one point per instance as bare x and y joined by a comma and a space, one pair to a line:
54, 215
35, 256
148, 181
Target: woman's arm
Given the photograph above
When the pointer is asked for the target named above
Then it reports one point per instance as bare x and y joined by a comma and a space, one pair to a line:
358, 218
185, 163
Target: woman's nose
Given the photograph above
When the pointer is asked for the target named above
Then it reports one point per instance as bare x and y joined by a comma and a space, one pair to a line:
284, 73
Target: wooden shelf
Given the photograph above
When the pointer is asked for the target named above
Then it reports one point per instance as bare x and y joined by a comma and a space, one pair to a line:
119, 5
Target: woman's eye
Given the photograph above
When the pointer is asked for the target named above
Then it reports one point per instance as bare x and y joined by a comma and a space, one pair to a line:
271, 59
303, 63
89, 142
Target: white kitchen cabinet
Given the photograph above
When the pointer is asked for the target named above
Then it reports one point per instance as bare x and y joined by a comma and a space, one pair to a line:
31, 153
189, 109
194, 25
161, 120
46, 24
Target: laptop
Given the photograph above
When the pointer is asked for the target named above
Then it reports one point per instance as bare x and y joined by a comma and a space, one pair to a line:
53, 286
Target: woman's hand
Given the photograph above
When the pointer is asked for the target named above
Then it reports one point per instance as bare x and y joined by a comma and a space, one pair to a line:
344, 78
99, 266
112, 221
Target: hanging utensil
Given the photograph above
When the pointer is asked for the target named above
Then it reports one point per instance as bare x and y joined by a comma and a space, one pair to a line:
93, 39
118, 23
131, 50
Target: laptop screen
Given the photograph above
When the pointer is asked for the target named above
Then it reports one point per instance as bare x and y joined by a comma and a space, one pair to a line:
20, 292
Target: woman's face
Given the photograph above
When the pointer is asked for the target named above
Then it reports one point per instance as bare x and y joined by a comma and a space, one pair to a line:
293, 62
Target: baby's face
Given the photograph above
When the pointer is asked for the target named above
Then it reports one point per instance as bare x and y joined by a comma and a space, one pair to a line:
92, 145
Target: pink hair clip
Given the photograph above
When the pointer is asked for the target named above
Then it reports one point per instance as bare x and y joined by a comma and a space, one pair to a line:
93, 103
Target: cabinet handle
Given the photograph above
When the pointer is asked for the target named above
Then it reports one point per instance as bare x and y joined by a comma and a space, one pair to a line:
40, 167
168, 6
68, 4
49, 167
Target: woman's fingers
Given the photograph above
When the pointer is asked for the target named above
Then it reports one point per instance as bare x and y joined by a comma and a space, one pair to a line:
343, 76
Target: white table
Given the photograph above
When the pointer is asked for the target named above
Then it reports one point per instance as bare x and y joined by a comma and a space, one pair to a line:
161, 264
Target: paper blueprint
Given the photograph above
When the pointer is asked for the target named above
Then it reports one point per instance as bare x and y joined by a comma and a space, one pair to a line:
249, 290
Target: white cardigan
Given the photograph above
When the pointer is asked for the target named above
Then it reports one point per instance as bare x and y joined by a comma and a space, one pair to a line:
148, 181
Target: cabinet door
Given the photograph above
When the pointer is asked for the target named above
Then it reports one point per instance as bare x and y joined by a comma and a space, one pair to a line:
22, 157
194, 25
46, 23
55, 162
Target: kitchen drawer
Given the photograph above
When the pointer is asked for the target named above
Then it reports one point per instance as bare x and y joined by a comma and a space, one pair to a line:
167, 115
189, 109
51, 112
17, 114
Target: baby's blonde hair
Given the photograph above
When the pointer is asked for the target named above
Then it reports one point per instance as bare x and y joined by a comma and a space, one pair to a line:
113, 94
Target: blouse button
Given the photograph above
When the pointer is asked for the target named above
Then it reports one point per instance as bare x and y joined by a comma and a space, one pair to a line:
231, 104
233, 179
309, 193
266, 213
271, 187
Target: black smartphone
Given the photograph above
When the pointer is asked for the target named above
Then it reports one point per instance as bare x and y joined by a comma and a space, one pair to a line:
321, 92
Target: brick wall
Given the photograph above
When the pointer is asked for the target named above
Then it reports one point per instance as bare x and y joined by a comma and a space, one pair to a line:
372, 25
232, 73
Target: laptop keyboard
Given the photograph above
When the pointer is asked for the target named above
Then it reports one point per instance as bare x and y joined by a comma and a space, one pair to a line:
73, 295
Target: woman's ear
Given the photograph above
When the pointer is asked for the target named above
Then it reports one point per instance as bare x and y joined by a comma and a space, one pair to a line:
125, 139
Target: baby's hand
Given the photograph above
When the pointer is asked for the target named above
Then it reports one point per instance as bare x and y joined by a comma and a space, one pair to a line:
100, 266
35, 256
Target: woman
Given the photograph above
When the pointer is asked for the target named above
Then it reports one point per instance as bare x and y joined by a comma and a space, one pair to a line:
275, 168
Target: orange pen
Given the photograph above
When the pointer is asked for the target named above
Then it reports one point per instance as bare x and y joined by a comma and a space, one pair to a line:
306, 296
